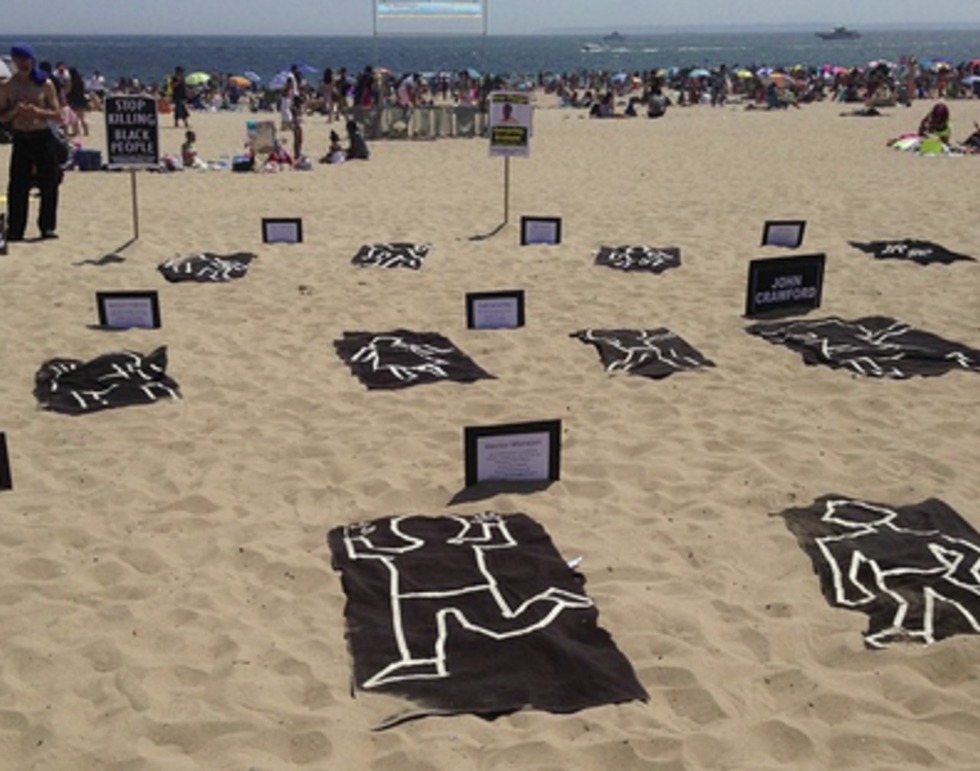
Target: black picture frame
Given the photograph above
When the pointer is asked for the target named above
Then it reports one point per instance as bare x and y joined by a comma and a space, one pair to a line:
473, 310
529, 225
799, 278
6, 481
143, 307
785, 233
474, 441
292, 227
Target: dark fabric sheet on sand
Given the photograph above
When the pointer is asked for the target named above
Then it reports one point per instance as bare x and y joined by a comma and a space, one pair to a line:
910, 250
877, 346
112, 380
654, 353
391, 255
207, 267
646, 258
476, 614
403, 358
914, 570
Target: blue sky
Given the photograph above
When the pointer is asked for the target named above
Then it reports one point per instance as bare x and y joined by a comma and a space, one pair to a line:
354, 17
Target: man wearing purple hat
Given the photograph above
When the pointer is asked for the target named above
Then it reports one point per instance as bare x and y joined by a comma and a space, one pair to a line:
28, 102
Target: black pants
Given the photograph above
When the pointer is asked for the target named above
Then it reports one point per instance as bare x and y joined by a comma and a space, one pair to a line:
33, 160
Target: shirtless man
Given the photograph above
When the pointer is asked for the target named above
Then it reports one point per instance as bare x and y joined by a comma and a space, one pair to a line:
28, 101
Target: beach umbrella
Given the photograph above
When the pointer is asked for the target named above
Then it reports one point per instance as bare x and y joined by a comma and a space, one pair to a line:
253, 76
279, 80
700, 72
306, 69
240, 81
197, 79
971, 79
619, 77
744, 74
472, 73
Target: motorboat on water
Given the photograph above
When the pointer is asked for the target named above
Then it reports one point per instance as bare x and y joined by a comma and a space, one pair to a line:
595, 48
839, 33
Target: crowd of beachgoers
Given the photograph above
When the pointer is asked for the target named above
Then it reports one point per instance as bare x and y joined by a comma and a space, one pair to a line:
880, 82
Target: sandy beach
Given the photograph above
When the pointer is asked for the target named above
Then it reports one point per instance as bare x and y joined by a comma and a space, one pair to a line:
166, 589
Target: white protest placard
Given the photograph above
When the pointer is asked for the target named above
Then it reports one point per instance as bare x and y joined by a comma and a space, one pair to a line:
509, 124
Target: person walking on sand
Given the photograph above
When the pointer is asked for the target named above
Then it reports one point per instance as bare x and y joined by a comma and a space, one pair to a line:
28, 102
179, 96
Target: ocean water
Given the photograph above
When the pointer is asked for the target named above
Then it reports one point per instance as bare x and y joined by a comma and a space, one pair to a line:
150, 58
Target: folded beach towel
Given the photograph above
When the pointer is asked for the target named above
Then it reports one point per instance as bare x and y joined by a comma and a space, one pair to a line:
207, 267
650, 258
911, 569
112, 380
654, 353
922, 252
403, 358
473, 614
876, 346
391, 255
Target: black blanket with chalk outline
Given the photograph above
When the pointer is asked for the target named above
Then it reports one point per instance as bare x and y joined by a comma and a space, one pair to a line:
207, 267
403, 358
654, 353
473, 614
914, 570
877, 346
120, 379
649, 258
391, 255
911, 250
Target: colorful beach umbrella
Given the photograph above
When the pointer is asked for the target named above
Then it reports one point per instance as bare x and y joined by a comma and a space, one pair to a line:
240, 81
197, 79
253, 76
279, 79
699, 72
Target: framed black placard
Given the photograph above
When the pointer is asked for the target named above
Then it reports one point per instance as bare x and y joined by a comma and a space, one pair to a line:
540, 230
126, 310
782, 285
788, 233
282, 230
5, 481
495, 310
3, 233
132, 132
520, 452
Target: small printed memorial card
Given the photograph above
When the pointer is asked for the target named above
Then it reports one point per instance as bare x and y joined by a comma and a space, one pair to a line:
5, 480
126, 310
515, 452
495, 310
787, 233
540, 230
282, 231
785, 284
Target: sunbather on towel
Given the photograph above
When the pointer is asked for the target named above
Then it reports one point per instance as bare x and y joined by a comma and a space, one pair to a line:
277, 159
936, 123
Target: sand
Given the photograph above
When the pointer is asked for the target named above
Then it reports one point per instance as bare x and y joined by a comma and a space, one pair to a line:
166, 590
